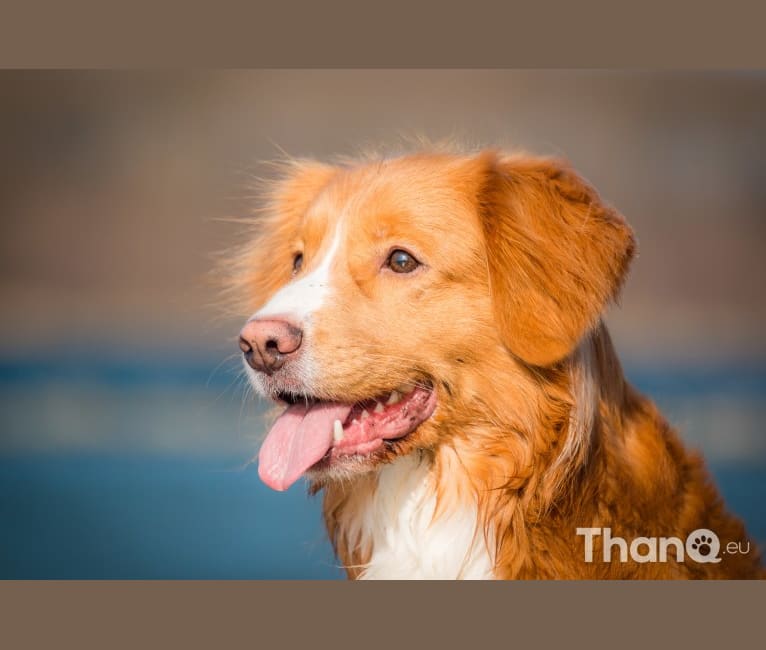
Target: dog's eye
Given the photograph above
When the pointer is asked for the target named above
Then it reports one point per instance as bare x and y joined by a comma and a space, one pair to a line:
297, 262
402, 262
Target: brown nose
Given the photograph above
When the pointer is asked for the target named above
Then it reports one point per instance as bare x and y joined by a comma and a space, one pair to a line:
267, 343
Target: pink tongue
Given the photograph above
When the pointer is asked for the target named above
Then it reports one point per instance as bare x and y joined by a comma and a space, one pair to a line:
300, 437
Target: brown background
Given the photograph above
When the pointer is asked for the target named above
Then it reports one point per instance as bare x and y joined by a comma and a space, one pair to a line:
112, 183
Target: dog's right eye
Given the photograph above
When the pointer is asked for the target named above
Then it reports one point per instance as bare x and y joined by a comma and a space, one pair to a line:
297, 262
401, 261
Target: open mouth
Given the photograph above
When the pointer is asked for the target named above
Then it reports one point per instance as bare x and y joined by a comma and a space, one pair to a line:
311, 431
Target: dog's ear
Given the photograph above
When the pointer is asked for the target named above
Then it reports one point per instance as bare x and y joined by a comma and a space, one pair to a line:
556, 254
299, 185
263, 263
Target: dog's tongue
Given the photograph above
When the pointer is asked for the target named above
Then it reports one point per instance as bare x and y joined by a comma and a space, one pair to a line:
298, 439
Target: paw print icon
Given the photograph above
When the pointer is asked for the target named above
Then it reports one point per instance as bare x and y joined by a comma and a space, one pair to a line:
703, 546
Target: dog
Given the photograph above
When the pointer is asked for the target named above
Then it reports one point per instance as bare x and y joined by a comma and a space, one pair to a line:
431, 325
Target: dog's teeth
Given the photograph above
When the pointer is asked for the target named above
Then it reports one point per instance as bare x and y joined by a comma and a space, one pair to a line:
365, 414
378, 408
394, 398
406, 389
337, 431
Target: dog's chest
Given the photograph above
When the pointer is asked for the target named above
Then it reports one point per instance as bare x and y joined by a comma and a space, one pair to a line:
407, 542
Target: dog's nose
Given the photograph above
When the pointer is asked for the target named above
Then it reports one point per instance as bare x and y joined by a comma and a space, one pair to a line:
266, 344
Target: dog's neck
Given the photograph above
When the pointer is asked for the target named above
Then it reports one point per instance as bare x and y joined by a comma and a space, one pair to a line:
453, 512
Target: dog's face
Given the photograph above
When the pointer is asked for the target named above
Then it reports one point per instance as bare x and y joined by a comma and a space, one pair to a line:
384, 294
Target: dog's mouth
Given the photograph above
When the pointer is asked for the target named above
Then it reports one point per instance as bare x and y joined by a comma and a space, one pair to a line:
312, 431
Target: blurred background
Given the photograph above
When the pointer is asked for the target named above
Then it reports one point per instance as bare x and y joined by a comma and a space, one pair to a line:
125, 432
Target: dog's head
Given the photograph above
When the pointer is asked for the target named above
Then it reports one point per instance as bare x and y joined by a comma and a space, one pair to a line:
389, 295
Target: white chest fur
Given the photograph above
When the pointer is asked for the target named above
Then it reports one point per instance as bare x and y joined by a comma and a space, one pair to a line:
397, 522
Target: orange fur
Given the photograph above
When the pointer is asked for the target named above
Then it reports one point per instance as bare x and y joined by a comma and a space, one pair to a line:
535, 421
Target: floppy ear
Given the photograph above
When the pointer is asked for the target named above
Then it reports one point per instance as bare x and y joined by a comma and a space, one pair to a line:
300, 183
556, 255
263, 263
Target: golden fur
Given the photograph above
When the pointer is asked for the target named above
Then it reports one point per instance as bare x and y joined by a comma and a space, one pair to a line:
535, 421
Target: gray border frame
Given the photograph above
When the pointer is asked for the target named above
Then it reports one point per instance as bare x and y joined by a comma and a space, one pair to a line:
114, 614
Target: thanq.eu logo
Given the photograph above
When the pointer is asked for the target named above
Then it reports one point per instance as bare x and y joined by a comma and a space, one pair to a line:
702, 546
